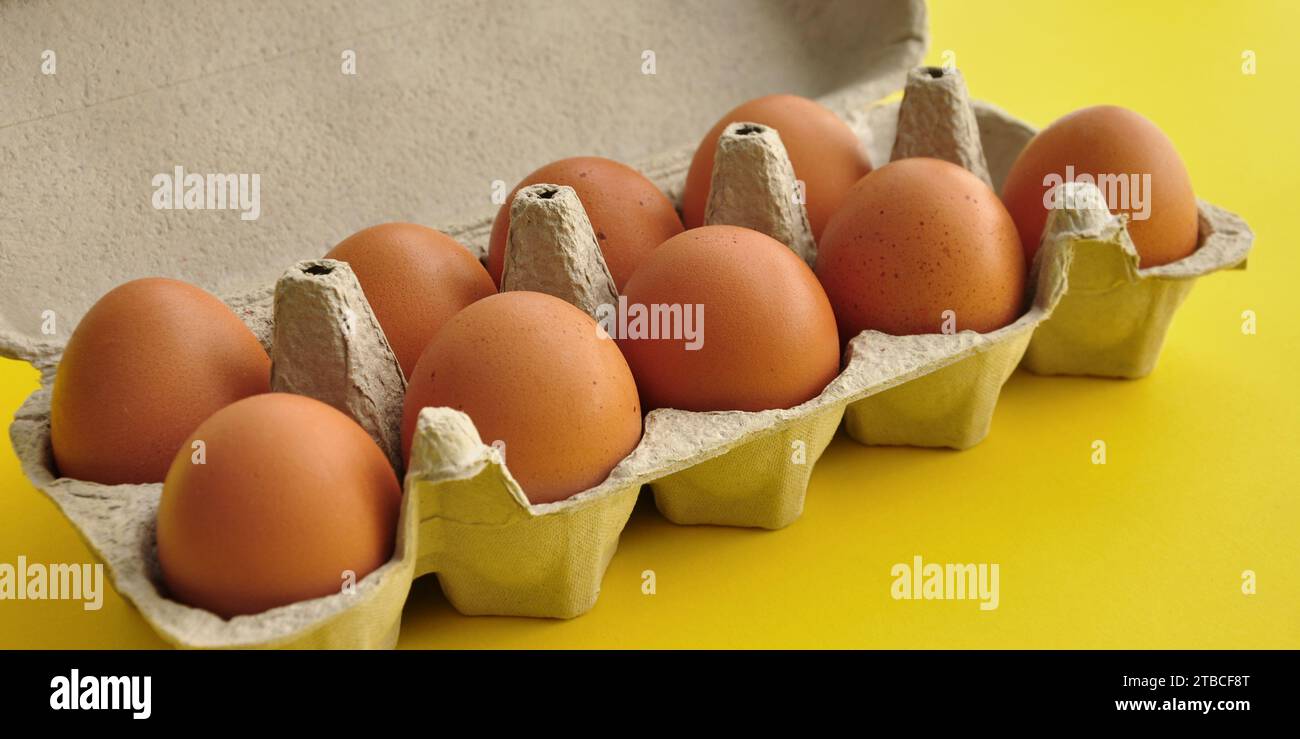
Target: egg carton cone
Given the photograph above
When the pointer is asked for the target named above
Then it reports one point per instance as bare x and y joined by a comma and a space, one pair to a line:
1102, 316
327, 344
463, 516
552, 249
754, 185
953, 405
936, 120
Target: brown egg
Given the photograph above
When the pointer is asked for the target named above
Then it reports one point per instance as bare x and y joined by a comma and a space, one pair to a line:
825, 152
147, 363
415, 278
290, 498
629, 214
766, 338
535, 373
1111, 143
914, 239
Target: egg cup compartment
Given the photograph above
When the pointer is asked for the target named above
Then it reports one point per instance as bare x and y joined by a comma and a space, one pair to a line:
760, 483
948, 399
953, 405
950, 407
117, 523
494, 553
1113, 320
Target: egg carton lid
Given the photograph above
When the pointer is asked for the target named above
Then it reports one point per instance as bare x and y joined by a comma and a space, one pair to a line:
445, 101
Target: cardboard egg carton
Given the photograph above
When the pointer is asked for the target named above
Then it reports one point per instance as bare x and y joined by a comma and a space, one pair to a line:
463, 517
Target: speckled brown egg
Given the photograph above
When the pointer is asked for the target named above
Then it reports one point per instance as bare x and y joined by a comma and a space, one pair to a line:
918, 238
824, 151
292, 501
535, 373
415, 278
148, 362
628, 213
1110, 142
762, 333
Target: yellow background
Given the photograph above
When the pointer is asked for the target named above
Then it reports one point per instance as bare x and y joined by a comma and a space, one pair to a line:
1145, 551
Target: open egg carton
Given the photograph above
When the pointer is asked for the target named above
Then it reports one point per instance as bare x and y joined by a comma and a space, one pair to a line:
1090, 311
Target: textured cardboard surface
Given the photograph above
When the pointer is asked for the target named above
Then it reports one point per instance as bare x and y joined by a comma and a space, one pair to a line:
327, 344
935, 120
554, 250
754, 186
448, 97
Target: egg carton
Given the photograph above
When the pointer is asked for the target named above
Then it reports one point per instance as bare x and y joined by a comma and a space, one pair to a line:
464, 517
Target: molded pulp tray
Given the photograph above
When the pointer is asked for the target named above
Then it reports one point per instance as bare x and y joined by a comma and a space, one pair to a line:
1093, 312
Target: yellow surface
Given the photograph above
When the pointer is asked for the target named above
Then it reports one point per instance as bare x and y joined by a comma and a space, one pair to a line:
1145, 551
